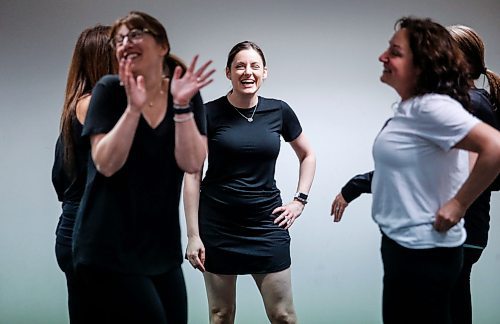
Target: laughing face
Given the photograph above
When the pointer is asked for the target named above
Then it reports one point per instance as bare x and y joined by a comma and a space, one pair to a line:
247, 72
139, 47
399, 71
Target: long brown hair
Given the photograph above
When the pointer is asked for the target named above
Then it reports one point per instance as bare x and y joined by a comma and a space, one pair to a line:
141, 20
92, 58
435, 53
471, 44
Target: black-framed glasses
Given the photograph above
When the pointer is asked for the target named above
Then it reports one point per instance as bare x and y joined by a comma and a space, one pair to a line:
135, 36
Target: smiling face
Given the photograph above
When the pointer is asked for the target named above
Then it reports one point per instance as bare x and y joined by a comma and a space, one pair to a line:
140, 47
399, 71
247, 71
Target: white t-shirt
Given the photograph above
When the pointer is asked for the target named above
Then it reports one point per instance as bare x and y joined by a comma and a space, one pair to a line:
417, 170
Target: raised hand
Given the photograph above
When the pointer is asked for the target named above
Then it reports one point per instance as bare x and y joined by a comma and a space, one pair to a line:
134, 87
185, 87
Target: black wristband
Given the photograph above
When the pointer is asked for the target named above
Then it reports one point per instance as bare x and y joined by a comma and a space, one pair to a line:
178, 110
301, 197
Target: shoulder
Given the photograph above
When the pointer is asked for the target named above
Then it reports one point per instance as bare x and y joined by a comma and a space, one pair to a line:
81, 107
110, 80
221, 101
433, 103
481, 105
216, 107
431, 100
108, 90
443, 112
479, 97
273, 104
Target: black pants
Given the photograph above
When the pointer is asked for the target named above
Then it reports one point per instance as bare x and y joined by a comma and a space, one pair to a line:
461, 304
418, 283
76, 289
121, 298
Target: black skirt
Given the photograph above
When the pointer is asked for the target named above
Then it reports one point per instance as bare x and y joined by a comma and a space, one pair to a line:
242, 239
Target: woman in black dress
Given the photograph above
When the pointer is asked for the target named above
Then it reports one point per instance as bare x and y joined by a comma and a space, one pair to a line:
92, 58
146, 129
237, 223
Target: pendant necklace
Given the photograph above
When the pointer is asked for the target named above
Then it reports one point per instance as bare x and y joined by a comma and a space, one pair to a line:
249, 119
151, 103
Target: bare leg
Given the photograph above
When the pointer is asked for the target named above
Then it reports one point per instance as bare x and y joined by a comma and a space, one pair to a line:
221, 293
276, 291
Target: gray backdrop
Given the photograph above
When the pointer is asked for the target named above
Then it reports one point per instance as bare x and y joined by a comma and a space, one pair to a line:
322, 58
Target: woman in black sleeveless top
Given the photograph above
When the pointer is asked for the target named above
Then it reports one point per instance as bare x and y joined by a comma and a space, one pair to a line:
92, 58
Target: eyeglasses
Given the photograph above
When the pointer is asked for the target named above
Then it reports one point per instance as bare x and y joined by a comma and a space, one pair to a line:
134, 36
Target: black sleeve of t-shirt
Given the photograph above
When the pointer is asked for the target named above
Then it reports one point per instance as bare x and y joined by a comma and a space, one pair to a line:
199, 113
106, 106
291, 128
362, 183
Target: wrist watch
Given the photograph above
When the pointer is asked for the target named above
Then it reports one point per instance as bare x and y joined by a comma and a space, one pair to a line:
301, 197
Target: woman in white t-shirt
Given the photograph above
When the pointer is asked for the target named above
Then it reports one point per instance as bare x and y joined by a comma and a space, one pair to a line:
422, 186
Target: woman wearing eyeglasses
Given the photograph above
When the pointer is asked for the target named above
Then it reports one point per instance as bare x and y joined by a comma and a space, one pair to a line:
146, 128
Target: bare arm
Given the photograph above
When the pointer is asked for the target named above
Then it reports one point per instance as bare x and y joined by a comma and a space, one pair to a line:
195, 251
190, 145
485, 141
110, 150
307, 160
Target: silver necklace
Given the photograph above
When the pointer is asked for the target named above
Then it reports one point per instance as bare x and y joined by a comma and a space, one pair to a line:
249, 119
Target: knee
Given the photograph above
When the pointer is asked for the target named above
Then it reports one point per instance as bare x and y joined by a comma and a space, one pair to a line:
222, 315
283, 316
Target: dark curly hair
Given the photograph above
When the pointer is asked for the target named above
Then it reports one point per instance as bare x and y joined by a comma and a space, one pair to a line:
442, 65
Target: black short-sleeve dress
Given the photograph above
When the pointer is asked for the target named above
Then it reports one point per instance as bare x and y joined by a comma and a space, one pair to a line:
129, 222
239, 193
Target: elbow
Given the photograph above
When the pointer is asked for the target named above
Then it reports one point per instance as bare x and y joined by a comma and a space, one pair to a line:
106, 169
192, 166
193, 163
192, 170
310, 157
497, 156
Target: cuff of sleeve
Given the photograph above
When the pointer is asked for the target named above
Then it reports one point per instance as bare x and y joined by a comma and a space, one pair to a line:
349, 193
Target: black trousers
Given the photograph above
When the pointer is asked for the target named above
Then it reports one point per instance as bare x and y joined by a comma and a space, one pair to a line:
76, 290
122, 298
418, 283
461, 304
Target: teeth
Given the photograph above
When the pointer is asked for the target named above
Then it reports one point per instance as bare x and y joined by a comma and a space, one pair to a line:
130, 56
